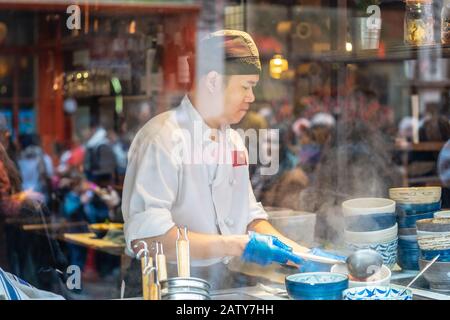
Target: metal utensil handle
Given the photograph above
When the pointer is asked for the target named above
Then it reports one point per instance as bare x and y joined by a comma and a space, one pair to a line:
183, 258
308, 256
161, 266
420, 273
145, 280
155, 286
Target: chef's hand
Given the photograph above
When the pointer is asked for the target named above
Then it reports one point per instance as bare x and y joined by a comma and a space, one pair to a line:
312, 266
264, 249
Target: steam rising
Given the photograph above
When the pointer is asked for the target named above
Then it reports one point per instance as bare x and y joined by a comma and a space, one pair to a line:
356, 164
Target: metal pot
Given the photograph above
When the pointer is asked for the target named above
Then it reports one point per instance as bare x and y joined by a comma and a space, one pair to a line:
187, 295
185, 285
186, 282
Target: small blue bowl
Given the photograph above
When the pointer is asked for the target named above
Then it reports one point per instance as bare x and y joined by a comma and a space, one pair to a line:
409, 221
377, 293
370, 222
316, 286
444, 255
411, 209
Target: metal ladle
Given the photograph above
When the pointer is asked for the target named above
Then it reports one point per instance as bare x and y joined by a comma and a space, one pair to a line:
363, 263
419, 274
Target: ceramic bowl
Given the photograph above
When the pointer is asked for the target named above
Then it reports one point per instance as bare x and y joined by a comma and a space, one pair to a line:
430, 242
438, 275
410, 221
411, 209
415, 194
370, 222
365, 206
372, 236
434, 225
408, 254
434, 234
444, 255
407, 231
316, 286
388, 250
442, 214
377, 293
381, 278
412, 238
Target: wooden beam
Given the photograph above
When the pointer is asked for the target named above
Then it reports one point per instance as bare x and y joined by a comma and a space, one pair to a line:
125, 8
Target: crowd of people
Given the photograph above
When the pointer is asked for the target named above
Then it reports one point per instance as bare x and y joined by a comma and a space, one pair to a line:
82, 186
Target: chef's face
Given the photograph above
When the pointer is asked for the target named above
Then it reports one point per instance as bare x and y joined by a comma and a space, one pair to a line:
238, 94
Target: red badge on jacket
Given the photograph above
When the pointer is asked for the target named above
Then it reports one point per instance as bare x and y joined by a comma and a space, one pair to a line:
239, 158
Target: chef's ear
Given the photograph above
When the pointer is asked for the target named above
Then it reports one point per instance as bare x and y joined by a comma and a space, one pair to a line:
213, 79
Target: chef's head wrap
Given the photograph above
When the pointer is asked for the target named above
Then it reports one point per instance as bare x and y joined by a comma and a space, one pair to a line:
230, 52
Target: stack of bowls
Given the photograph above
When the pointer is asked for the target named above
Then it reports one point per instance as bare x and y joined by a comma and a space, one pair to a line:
185, 289
370, 223
413, 204
433, 236
377, 293
316, 286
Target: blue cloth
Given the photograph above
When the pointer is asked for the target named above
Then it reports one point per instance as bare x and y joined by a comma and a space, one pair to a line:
14, 288
265, 249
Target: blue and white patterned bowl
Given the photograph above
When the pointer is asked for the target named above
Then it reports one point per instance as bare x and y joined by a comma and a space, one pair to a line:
377, 293
375, 237
409, 221
388, 250
316, 286
412, 209
408, 254
444, 255
415, 195
370, 222
442, 214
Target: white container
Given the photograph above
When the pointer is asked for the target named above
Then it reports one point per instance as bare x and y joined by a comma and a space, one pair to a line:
298, 226
381, 278
363, 206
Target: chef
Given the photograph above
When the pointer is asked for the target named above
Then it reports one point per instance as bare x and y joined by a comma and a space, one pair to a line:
187, 167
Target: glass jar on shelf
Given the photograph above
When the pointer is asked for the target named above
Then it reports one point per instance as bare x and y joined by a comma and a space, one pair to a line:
419, 23
445, 23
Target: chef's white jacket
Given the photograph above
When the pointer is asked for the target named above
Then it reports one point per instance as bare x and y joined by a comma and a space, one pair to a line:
171, 180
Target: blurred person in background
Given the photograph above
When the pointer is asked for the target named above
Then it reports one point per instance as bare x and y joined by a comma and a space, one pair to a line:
99, 160
120, 149
36, 167
434, 126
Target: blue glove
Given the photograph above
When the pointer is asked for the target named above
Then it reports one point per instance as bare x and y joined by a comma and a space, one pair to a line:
312, 266
264, 249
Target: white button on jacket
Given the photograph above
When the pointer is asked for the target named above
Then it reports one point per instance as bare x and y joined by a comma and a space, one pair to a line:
167, 183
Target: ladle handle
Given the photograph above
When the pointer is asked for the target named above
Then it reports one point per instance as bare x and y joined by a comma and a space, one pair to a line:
420, 273
312, 257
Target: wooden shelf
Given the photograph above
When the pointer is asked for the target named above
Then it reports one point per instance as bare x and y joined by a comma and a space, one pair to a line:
105, 7
391, 54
